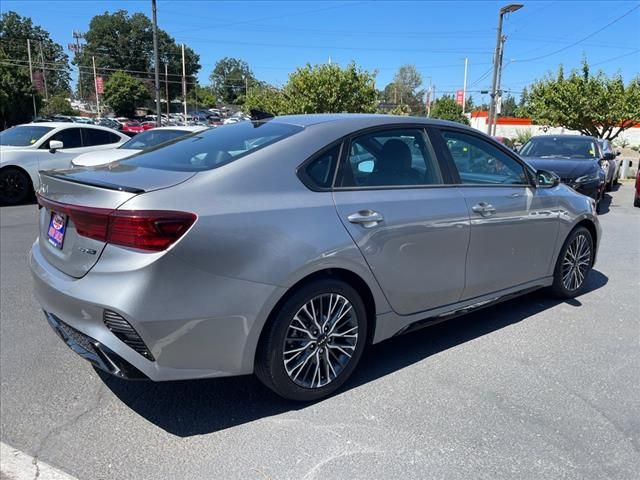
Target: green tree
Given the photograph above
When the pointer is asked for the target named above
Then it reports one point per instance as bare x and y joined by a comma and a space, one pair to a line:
592, 104
124, 93
509, 106
329, 88
201, 96
58, 104
405, 90
16, 95
446, 108
14, 32
266, 99
119, 41
231, 78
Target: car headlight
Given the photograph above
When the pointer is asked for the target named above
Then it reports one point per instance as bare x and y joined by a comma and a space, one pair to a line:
592, 177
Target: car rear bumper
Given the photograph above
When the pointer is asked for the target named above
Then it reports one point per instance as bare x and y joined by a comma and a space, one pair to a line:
200, 326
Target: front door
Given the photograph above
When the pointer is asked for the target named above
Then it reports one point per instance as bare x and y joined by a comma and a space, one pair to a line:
514, 225
411, 228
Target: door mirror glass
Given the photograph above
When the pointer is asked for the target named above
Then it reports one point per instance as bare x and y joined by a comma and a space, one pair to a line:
547, 179
609, 156
55, 145
366, 166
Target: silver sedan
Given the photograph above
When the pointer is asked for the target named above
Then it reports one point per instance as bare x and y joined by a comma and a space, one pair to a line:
285, 246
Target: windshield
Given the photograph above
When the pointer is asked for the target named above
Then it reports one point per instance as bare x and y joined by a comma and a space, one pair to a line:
560, 148
213, 148
23, 135
151, 138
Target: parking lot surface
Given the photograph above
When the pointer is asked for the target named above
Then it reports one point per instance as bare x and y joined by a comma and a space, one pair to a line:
530, 389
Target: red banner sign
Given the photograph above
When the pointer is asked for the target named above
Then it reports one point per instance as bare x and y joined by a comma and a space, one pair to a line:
100, 85
460, 97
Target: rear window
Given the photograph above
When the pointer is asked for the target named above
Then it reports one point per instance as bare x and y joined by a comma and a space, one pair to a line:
153, 137
213, 148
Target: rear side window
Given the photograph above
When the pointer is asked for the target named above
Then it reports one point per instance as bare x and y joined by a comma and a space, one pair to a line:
70, 138
318, 174
392, 158
91, 137
213, 148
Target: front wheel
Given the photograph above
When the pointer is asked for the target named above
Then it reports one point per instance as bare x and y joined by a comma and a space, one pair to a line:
314, 342
574, 264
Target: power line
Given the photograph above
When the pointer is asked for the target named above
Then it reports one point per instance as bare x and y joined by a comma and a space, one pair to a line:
582, 39
637, 50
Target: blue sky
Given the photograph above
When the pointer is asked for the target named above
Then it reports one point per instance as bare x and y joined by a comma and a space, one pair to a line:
275, 37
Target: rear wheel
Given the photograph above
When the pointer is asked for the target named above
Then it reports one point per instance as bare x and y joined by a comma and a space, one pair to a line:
315, 341
574, 264
15, 186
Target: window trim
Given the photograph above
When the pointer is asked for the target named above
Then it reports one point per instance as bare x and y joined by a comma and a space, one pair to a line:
444, 172
45, 144
439, 130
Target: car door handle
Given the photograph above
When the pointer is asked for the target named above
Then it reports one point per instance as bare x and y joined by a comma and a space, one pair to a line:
484, 209
366, 218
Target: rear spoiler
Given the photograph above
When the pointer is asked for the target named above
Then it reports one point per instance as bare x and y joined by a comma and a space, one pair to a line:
68, 176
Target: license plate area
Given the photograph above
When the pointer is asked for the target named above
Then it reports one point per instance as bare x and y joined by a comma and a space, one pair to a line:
57, 229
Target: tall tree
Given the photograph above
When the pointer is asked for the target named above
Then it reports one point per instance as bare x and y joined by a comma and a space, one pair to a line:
446, 108
405, 90
592, 104
14, 32
16, 94
509, 106
267, 99
120, 41
124, 93
328, 88
231, 78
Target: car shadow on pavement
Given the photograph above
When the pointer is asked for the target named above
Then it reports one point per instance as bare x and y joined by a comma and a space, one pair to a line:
605, 204
197, 407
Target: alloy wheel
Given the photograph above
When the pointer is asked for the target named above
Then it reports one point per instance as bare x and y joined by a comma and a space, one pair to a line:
13, 186
576, 263
320, 340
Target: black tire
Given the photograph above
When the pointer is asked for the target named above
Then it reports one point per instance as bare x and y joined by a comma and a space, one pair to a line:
15, 186
270, 357
636, 202
609, 185
560, 288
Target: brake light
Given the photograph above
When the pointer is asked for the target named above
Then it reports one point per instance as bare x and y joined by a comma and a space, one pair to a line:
153, 230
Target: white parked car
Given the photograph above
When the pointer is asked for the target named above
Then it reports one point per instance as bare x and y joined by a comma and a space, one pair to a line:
141, 141
29, 148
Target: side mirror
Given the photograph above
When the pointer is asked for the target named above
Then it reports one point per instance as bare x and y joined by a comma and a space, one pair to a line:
609, 156
618, 153
545, 179
55, 145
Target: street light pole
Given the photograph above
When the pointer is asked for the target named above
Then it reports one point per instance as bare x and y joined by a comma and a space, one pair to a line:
156, 63
512, 7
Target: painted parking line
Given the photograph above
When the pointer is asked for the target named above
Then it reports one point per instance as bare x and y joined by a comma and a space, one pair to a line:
17, 465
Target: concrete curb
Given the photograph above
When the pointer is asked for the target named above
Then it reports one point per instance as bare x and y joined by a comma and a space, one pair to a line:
17, 465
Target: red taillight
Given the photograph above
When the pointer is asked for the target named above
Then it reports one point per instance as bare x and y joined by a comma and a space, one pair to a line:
153, 230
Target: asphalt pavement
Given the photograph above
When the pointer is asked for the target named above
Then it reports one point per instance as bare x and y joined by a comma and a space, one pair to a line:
530, 389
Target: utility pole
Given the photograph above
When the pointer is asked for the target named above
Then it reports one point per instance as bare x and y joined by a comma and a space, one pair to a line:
512, 7
166, 87
156, 63
44, 74
33, 97
78, 50
429, 98
95, 83
184, 87
498, 101
464, 85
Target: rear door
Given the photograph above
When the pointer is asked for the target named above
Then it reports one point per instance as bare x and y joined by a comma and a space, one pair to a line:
513, 224
409, 223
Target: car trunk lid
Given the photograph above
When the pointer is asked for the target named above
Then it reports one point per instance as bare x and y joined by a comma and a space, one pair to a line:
75, 206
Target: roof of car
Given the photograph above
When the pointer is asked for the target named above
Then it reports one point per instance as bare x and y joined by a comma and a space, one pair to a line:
65, 124
355, 119
563, 135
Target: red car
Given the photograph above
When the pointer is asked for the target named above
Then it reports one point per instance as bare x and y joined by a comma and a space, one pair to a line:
132, 127
148, 125
636, 198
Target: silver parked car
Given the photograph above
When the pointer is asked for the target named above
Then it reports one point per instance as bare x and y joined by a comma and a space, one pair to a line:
283, 247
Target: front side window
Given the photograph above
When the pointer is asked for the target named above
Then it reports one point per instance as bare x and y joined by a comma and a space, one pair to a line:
213, 148
23, 135
70, 138
391, 158
480, 162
